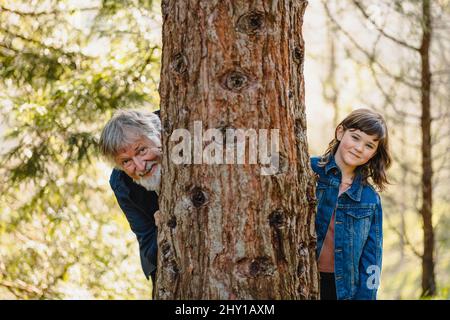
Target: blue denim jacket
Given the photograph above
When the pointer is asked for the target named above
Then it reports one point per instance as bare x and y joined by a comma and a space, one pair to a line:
358, 238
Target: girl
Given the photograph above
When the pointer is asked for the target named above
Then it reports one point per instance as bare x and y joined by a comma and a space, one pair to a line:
349, 214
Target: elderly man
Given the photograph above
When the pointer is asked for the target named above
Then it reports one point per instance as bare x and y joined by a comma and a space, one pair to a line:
131, 140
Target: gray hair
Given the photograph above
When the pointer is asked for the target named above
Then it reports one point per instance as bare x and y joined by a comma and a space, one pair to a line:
125, 127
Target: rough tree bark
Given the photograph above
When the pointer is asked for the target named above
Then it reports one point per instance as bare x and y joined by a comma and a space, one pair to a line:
228, 232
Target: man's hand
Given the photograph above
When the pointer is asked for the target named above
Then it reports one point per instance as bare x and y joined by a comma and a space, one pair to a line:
157, 216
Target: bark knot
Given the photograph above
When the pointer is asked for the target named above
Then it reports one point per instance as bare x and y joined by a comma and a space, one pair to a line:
167, 126
257, 267
303, 250
277, 219
198, 197
290, 94
235, 80
172, 223
179, 63
165, 249
251, 22
298, 55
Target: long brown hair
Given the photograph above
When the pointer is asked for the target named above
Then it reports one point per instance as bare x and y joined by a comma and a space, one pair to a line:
371, 123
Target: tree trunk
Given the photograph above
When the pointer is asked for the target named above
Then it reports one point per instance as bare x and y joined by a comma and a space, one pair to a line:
428, 277
227, 231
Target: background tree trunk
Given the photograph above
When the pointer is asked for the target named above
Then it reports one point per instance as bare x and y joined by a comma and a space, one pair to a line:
227, 231
428, 278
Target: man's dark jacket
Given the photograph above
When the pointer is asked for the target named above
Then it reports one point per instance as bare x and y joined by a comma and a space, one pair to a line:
139, 205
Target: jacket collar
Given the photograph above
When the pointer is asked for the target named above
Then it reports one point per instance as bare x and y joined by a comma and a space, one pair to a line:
331, 165
121, 181
356, 188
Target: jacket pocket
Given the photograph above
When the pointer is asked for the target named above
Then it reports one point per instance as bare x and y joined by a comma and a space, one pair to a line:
357, 223
359, 213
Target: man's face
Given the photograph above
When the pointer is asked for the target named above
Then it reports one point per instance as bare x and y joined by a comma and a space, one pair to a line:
141, 160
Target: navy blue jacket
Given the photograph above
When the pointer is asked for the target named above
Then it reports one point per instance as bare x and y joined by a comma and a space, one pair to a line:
139, 205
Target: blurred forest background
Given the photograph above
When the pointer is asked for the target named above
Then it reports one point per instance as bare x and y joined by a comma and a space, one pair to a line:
66, 65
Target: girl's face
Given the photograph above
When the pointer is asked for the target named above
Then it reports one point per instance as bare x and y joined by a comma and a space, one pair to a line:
356, 147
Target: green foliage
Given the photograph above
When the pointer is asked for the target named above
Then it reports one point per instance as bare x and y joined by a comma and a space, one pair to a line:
63, 71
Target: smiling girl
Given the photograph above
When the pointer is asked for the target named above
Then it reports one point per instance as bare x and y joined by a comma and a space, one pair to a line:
349, 213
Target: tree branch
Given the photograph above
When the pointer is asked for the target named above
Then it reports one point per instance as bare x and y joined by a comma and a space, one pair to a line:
403, 236
43, 13
440, 168
20, 285
49, 286
380, 30
441, 116
388, 98
405, 239
404, 166
368, 55
40, 44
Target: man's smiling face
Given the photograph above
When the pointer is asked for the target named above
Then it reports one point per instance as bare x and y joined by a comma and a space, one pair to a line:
141, 160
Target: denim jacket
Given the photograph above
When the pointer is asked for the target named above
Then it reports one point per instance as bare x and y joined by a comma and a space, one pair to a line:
358, 238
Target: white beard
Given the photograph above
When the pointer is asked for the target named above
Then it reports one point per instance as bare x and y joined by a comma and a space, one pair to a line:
152, 183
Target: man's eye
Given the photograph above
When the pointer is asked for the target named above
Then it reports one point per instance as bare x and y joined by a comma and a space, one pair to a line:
142, 150
355, 137
125, 162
